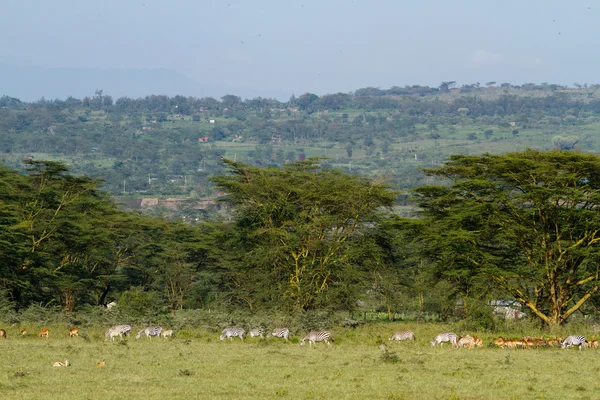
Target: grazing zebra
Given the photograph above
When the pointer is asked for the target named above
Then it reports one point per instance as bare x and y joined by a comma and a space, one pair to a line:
149, 331
405, 335
574, 341
167, 334
232, 332
319, 336
256, 333
444, 337
281, 333
117, 330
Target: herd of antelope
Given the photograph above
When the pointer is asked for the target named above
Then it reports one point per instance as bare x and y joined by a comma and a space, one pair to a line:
44, 333
523, 343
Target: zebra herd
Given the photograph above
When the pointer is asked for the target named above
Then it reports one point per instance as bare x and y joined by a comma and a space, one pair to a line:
125, 330
282, 333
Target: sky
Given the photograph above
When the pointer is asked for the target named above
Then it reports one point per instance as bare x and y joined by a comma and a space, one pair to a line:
318, 46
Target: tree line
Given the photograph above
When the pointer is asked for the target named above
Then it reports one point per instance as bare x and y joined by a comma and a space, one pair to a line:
519, 226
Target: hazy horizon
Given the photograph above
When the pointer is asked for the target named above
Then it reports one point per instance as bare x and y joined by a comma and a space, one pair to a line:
277, 48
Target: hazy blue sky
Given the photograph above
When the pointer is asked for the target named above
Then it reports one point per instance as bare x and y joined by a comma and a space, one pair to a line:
322, 46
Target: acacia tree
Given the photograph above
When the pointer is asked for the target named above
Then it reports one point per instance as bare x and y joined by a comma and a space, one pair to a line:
295, 228
529, 222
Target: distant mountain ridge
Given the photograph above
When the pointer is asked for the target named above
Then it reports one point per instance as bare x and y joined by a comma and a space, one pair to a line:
33, 83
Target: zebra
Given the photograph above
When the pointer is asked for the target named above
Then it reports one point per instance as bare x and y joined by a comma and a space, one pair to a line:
256, 333
232, 332
405, 335
317, 336
281, 333
574, 341
149, 331
117, 330
444, 337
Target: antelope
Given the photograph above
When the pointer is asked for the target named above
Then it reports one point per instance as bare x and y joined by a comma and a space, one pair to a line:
499, 342
478, 341
73, 332
3, 333
44, 332
465, 341
100, 363
167, 334
62, 364
24, 332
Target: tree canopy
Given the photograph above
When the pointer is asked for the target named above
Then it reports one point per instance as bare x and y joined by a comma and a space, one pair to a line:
296, 228
528, 222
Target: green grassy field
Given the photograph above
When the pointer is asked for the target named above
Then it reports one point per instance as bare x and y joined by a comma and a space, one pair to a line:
196, 365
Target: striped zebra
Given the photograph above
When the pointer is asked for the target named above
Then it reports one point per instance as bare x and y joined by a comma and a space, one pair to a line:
256, 333
233, 332
574, 341
149, 332
117, 330
405, 335
281, 333
317, 336
444, 337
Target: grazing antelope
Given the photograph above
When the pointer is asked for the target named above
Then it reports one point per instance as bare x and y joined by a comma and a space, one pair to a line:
592, 343
478, 341
62, 364
3, 333
24, 332
167, 334
44, 333
100, 363
465, 341
73, 332
499, 342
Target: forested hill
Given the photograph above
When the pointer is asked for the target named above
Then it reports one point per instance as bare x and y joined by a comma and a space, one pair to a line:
168, 147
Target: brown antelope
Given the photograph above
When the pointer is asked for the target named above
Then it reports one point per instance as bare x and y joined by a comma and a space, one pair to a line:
100, 363
465, 341
44, 333
478, 341
62, 364
3, 333
592, 343
499, 342
24, 332
167, 334
73, 332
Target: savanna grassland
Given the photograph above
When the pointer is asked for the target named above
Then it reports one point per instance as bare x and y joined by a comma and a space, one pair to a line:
197, 365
